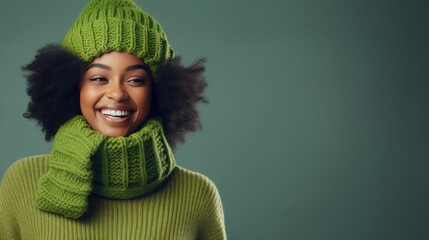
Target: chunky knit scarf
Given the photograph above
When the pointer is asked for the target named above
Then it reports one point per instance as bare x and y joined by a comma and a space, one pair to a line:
84, 161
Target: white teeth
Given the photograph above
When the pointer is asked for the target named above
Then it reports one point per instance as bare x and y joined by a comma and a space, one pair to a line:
115, 113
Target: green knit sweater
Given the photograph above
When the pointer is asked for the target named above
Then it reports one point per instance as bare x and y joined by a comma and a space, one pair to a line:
187, 206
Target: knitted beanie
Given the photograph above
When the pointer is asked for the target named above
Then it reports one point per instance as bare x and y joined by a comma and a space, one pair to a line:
118, 25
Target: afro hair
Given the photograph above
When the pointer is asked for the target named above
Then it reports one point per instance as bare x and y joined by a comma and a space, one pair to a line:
54, 76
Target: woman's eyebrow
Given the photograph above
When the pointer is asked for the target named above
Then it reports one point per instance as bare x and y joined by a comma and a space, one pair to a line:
99, 65
138, 66
129, 68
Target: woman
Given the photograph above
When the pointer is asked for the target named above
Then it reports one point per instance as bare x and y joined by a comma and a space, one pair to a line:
115, 101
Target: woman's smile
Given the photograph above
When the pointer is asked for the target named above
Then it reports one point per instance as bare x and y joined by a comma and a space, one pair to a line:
115, 115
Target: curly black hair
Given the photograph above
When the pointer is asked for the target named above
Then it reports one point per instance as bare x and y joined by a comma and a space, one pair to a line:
53, 79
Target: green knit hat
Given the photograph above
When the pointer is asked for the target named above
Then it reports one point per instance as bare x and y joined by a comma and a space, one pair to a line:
118, 25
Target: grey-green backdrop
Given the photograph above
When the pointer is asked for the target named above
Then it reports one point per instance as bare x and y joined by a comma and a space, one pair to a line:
318, 114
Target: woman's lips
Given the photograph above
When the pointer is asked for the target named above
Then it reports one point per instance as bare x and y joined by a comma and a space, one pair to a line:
117, 115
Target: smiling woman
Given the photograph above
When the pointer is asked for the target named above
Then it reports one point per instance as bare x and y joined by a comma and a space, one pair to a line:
115, 93
116, 104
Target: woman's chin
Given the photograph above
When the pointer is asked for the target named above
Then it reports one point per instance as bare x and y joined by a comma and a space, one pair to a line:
115, 133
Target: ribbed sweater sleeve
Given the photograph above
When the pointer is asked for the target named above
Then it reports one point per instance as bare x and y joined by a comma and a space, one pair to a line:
8, 224
212, 224
9, 189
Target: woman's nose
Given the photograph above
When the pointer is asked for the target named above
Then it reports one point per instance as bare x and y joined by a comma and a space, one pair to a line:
116, 92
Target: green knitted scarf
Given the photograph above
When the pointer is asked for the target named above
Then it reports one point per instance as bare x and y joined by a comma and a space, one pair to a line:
84, 161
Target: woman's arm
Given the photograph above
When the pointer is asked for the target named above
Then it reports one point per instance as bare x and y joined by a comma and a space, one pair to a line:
212, 224
9, 187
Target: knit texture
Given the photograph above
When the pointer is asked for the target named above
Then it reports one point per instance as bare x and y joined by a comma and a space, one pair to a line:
84, 161
128, 167
118, 25
186, 206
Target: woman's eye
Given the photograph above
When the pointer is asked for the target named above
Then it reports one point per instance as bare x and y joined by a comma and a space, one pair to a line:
98, 79
136, 81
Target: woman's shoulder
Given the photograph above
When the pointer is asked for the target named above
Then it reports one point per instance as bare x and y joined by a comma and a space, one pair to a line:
185, 174
32, 162
201, 192
27, 168
189, 180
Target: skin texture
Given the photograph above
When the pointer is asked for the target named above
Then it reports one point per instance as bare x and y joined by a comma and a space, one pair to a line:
116, 81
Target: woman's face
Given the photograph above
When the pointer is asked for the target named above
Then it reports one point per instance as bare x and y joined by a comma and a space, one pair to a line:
115, 93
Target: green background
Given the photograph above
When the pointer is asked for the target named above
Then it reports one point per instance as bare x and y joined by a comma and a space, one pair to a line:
318, 114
